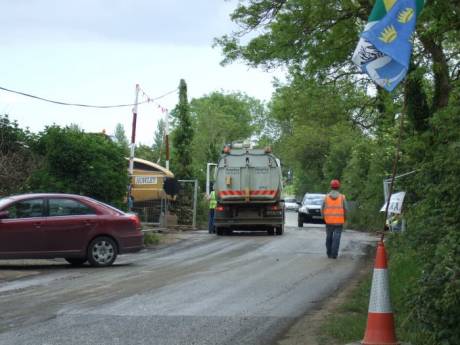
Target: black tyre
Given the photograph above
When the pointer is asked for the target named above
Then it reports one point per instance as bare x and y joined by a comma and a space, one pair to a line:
219, 231
271, 231
102, 251
300, 221
76, 261
280, 230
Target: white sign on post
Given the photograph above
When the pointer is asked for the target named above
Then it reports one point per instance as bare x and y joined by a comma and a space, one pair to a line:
396, 203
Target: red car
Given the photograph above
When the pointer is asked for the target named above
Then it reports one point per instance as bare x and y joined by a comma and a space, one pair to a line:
72, 227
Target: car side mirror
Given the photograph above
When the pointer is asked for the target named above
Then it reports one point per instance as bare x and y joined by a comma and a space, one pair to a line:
4, 214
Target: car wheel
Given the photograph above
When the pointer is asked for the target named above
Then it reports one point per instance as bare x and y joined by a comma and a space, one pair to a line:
300, 221
76, 261
280, 230
102, 251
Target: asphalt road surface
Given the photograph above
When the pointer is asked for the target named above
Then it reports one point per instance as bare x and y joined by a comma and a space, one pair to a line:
239, 289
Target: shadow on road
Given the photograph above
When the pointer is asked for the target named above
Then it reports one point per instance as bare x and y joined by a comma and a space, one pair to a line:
55, 266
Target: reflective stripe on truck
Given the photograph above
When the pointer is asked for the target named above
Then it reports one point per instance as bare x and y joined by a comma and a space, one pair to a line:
252, 192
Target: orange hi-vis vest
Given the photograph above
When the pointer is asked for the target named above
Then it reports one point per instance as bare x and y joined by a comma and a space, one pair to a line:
334, 210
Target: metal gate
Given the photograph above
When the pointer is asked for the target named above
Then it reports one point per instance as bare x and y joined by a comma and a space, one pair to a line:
168, 212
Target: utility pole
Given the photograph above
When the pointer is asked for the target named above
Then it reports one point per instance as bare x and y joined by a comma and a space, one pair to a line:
167, 138
133, 145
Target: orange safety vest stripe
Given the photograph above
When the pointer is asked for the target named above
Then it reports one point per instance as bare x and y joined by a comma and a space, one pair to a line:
334, 211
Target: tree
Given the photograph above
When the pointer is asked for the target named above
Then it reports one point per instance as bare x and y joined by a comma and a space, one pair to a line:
158, 145
121, 139
17, 162
80, 163
154, 153
317, 37
220, 118
182, 136
146, 152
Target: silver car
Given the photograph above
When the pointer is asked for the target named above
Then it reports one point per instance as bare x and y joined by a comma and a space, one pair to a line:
291, 204
310, 210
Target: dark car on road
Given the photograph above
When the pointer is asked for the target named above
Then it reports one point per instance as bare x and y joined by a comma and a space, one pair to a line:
72, 227
310, 210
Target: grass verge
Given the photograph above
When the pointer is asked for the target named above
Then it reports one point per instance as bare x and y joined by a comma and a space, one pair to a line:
347, 322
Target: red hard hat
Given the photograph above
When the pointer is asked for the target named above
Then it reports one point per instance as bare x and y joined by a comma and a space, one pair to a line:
335, 184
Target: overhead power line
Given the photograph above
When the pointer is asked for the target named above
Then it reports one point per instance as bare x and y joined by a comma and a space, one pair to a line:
148, 100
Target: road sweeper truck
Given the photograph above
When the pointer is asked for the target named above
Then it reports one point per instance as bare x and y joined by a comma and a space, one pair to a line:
248, 185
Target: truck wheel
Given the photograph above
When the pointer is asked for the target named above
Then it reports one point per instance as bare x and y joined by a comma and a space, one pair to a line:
280, 230
271, 231
300, 222
219, 231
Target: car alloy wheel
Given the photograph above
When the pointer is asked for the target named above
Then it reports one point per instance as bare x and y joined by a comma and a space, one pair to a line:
102, 251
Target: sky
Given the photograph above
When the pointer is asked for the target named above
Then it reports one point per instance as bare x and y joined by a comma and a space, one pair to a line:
96, 51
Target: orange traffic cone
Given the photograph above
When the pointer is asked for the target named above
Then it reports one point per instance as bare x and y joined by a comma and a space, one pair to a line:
380, 329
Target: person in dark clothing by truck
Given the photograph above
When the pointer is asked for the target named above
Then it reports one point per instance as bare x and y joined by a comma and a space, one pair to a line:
334, 214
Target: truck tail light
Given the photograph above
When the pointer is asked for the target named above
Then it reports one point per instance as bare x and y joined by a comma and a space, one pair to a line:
220, 208
275, 208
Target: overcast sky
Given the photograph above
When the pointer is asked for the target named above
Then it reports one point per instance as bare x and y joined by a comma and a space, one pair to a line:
95, 51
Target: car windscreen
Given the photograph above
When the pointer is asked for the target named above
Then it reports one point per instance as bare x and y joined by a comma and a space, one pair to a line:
313, 201
290, 200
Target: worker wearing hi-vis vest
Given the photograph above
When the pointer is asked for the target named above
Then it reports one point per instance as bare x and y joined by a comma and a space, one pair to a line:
334, 214
212, 205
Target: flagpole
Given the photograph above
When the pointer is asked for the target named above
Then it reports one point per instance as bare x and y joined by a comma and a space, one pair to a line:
395, 166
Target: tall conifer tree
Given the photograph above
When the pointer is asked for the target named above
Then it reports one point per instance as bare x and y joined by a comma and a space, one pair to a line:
182, 136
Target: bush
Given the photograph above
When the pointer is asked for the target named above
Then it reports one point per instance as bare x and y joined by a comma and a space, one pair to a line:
151, 238
80, 163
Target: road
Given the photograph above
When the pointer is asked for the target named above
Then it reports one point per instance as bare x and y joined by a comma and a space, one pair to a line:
239, 289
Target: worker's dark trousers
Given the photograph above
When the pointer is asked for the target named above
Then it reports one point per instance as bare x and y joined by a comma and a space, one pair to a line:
333, 234
211, 221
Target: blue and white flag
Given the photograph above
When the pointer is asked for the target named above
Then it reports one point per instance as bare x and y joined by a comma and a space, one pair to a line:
385, 47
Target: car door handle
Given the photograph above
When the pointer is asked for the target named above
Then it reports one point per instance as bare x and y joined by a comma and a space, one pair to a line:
89, 222
38, 224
